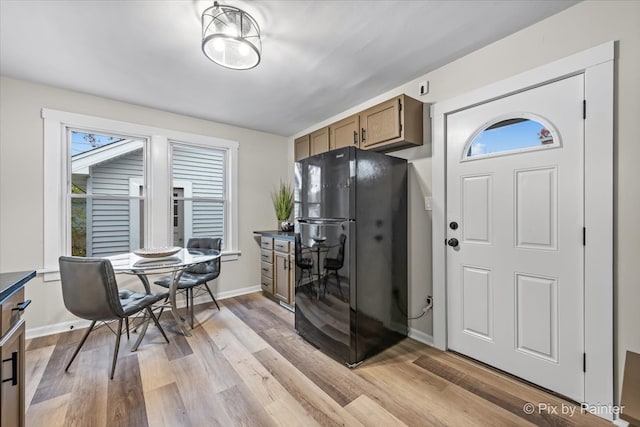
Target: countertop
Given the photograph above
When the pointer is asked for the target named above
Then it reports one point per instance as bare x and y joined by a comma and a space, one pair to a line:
284, 235
11, 282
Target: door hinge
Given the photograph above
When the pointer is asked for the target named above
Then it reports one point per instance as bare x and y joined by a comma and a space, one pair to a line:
584, 362
584, 236
400, 127
584, 109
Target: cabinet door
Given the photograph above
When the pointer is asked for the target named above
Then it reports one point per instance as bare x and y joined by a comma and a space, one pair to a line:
12, 373
319, 141
282, 267
345, 133
380, 123
301, 147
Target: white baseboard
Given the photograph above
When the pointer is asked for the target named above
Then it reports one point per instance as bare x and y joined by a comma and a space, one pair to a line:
421, 337
57, 328
81, 323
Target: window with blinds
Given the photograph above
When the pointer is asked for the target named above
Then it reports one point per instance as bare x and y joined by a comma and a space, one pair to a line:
199, 193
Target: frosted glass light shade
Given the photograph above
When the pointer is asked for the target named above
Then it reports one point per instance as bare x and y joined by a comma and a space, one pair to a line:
231, 37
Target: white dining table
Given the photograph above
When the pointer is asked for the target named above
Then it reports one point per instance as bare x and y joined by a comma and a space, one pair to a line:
174, 265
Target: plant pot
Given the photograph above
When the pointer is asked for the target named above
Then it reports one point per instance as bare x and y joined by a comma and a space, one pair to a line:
286, 226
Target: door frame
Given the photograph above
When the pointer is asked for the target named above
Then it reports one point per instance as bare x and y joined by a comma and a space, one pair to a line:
597, 65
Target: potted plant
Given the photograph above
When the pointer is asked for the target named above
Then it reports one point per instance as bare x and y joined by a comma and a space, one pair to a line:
282, 198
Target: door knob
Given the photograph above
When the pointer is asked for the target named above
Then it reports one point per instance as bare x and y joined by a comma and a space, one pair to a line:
452, 242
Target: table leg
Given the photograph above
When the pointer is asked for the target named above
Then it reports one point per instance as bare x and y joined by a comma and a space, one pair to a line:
145, 281
173, 288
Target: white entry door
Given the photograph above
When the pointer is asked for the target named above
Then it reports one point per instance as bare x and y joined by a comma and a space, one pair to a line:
515, 209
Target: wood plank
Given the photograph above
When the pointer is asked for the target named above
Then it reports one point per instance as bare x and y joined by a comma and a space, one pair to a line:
257, 378
368, 412
88, 403
244, 409
193, 383
165, 407
215, 365
39, 342
49, 413
155, 367
225, 320
125, 399
314, 400
35, 364
54, 381
501, 397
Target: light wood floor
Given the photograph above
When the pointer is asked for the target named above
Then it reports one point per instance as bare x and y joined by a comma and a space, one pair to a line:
245, 365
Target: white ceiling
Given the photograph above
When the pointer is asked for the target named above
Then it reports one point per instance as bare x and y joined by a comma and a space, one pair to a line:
319, 57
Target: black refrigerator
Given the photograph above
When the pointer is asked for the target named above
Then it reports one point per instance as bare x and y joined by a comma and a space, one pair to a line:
351, 260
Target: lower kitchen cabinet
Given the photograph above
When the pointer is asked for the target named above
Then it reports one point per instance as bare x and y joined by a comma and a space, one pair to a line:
277, 268
12, 389
12, 351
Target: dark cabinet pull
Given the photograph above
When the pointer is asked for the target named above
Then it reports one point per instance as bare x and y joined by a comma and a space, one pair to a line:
355, 137
22, 305
364, 135
14, 368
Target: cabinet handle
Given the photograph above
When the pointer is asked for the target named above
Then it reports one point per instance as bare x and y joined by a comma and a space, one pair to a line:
286, 264
22, 305
14, 368
364, 135
265, 269
355, 137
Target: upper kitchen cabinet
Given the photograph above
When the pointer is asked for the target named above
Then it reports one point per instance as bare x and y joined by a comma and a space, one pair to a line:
301, 147
345, 133
391, 125
319, 141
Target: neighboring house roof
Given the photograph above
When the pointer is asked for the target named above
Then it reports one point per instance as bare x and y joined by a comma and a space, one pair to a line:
80, 163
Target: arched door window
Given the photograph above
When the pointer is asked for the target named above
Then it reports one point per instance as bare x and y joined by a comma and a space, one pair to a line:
510, 135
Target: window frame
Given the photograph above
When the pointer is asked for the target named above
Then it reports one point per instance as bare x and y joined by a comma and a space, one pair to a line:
187, 197
557, 140
157, 176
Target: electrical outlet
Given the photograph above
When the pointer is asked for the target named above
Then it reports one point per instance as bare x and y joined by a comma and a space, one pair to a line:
429, 301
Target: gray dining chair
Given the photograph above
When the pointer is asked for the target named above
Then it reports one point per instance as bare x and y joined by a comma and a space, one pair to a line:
199, 275
90, 291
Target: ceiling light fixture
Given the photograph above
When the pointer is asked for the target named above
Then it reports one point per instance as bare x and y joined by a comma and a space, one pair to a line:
231, 37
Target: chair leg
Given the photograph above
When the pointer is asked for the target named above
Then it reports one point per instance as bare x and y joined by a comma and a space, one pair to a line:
211, 293
155, 320
190, 295
84, 338
126, 322
117, 348
162, 308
